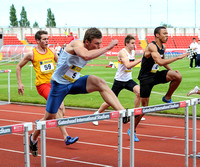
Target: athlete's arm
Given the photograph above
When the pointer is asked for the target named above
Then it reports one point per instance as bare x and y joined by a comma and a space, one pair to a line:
86, 54
162, 62
125, 60
167, 65
28, 57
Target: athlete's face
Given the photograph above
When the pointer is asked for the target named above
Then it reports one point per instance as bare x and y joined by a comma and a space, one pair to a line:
94, 44
131, 44
163, 35
43, 42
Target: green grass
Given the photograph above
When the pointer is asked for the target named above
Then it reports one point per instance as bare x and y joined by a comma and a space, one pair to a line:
94, 100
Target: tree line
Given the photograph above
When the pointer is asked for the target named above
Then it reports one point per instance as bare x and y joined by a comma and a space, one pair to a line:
24, 22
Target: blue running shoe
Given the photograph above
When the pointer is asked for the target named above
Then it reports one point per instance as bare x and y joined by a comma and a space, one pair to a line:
167, 101
128, 132
71, 140
135, 137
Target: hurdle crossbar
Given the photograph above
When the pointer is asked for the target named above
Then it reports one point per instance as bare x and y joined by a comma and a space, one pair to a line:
43, 125
149, 109
17, 128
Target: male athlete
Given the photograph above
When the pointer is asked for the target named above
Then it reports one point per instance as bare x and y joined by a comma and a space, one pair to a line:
123, 77
150, 75
66, 78
43, 60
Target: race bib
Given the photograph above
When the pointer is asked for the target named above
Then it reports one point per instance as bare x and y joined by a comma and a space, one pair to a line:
155, 68
72, 74
46, 66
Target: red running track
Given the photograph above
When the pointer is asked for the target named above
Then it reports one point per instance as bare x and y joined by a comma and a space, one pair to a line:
161, 141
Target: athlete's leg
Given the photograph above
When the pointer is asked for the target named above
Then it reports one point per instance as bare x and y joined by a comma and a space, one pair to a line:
60, 114
175, 77
96, 84
47, 116
136, 90
44, 90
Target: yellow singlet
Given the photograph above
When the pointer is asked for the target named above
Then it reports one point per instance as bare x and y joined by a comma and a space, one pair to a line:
44, 66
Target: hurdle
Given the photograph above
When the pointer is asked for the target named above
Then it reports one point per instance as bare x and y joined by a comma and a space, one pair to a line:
17, 128
194, 103
43, 125
155, 108
7, 71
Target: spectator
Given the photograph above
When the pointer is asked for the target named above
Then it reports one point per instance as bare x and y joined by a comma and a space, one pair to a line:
193, 46
198, 55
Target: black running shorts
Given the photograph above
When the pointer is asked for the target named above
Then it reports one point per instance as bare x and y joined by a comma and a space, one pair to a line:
119, 85
147, 85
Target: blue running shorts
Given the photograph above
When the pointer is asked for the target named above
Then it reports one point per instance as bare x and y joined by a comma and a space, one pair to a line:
59, 91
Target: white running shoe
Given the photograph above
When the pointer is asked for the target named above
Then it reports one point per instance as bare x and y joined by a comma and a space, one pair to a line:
96, 122
193, 91
143, 119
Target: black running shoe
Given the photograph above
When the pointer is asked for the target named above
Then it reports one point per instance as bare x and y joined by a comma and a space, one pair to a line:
33, 147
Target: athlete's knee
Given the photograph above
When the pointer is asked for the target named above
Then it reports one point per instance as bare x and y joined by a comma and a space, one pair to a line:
137, 91
178, 77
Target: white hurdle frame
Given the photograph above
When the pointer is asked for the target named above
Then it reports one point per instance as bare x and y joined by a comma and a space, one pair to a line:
138, 111
25, 128
194, 103
43, 125
7, 71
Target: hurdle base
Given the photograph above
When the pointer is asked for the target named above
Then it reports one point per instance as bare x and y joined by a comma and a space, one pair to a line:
197, 156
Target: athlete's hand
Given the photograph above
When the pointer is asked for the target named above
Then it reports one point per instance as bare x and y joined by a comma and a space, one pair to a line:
113, 43
21, 89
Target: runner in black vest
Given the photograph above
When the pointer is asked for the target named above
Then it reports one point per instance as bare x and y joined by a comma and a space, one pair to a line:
150, 75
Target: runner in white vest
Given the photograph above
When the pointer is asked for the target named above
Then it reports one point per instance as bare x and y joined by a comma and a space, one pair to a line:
123, 77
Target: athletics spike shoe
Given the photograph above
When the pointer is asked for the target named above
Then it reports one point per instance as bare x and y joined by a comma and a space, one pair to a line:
193, 91
71, 140
167, 101
33, 147
135, 137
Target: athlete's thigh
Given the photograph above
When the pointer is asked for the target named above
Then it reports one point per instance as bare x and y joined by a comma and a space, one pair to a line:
132, 86
117, 87
94, 83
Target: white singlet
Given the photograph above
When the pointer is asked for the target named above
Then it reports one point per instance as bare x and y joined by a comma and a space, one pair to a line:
123, 73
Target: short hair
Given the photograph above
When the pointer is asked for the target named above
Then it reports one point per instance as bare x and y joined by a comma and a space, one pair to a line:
193, 38
92, 33
157, 30
128, 38
39, 33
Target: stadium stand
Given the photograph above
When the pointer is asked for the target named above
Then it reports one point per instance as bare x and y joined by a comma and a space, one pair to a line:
53, 39
11, 40
183, 41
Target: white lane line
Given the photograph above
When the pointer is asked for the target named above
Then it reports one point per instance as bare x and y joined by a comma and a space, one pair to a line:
58, 158
115, 147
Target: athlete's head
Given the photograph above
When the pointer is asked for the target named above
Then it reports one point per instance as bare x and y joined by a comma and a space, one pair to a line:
42, 38
92, 38
161, 34
129, 42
